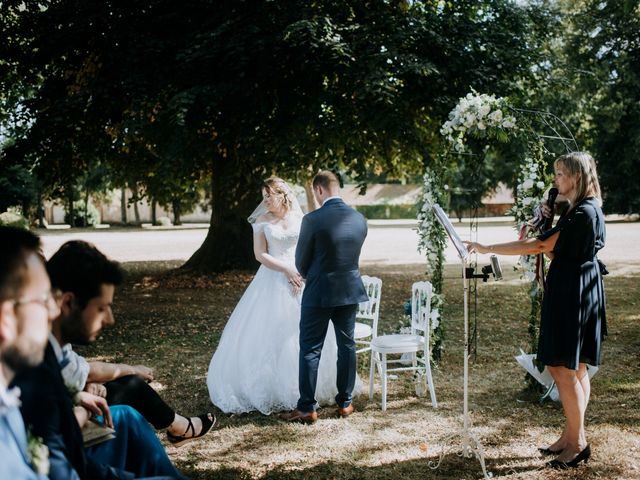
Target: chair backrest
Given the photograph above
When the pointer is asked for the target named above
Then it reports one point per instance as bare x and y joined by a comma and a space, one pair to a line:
421, 293
370, 309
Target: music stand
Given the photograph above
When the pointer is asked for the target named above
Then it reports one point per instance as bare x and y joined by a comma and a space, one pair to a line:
470, 444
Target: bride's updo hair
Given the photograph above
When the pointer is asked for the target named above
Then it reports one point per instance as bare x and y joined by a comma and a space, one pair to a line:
277, 186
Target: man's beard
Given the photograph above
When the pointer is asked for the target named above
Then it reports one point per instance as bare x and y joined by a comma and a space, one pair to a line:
18, 361
74, 330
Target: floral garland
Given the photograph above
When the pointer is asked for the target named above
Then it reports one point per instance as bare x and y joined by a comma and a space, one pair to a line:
432, 242
480, 116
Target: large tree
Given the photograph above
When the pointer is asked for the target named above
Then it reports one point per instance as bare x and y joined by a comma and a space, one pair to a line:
237, 90
603, 51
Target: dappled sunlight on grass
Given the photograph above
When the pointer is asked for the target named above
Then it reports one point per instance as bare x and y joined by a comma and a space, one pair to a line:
173, 325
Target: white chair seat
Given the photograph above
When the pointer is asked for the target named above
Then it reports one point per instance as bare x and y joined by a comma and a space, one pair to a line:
397, 343
415, 343
362, 330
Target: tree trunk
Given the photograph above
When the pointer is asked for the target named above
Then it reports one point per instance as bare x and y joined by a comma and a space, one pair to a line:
85, 220
229, 243
71, 211
40, 212
175, 207
154, 218
311, 198
136, 210
123, 205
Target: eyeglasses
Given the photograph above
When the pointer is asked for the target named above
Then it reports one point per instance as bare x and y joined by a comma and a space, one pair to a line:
49, 300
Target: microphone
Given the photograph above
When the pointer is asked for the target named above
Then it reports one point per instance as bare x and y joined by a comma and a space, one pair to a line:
551, 202
487, 270
495, 266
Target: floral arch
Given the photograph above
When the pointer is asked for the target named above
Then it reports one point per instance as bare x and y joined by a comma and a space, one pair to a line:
478, 126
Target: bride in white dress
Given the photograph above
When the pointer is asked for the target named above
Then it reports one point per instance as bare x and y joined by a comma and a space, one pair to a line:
255, 366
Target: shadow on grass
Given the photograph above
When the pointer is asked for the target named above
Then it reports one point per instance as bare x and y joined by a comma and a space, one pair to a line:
452, 467
173, 323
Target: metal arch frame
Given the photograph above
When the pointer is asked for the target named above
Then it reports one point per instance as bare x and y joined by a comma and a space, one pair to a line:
543, 117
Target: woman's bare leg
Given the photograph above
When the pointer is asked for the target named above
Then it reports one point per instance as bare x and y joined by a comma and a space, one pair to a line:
572, 397
585, 383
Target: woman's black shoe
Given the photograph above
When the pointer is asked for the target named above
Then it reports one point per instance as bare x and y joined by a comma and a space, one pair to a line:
583, 456
548, 451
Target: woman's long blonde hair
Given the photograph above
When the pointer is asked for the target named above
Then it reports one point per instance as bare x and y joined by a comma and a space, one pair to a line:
582, 166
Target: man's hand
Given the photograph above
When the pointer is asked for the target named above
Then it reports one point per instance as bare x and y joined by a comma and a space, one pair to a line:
96, 389
145, 372
96, 406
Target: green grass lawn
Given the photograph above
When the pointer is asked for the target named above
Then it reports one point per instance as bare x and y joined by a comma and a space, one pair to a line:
173, 322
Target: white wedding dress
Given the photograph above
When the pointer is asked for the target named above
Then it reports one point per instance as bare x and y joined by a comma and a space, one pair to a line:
255, 366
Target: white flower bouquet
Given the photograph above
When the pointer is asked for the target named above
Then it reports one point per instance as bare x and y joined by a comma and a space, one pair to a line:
478, 115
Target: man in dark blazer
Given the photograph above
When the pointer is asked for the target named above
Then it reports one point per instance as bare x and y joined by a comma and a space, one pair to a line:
327, 257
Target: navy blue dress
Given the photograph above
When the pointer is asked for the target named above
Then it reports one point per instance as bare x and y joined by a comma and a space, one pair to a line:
573, 322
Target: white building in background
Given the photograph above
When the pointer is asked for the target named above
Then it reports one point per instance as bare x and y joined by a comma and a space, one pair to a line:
377, 194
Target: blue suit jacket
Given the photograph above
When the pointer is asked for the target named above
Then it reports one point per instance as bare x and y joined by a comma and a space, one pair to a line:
328, 253
14, 459
48, 411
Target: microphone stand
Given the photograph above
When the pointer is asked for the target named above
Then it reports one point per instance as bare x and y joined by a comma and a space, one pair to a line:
470, 444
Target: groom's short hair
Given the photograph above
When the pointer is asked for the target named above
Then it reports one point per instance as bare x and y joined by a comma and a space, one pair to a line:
326, 179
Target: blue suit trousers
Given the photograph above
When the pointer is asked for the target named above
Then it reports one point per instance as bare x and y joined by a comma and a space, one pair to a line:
314, 322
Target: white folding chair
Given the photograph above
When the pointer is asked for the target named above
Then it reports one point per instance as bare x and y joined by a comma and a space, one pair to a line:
368, 311
415, 343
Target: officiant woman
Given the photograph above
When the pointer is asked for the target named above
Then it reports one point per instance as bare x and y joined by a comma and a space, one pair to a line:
573, 322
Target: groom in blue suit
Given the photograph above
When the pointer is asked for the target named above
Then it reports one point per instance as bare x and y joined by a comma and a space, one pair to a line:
327, 257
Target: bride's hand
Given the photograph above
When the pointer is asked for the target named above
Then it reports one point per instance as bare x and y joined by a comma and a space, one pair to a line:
294, 279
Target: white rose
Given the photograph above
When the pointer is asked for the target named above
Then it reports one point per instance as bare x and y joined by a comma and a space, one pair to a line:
527, 201
435, 318
527, 184
496, 116
469, 120
481, 126
484, 110
540, 184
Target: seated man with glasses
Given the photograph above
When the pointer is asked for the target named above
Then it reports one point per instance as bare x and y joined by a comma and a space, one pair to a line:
24, 326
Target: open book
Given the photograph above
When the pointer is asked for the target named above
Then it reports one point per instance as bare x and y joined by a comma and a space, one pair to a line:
94, 433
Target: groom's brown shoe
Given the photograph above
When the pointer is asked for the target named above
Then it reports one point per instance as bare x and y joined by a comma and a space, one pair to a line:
299, 417
346, 411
